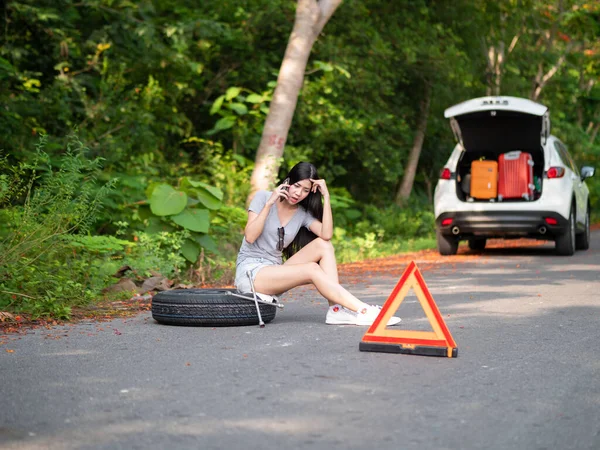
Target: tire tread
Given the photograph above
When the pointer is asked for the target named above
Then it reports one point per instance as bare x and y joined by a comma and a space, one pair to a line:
207, 307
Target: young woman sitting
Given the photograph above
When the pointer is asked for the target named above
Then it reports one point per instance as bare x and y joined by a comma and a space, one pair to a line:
295, 221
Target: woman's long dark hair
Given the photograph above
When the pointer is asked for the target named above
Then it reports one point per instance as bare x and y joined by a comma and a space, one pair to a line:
313, 203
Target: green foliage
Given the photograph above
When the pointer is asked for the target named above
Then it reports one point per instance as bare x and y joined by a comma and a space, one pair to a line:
158, 253
43, 207
372, 245
412, 221
185, 208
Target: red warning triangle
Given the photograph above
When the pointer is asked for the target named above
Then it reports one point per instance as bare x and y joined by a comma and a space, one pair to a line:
438, 342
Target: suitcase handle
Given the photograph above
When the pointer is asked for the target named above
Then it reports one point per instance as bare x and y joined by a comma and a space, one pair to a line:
512, 155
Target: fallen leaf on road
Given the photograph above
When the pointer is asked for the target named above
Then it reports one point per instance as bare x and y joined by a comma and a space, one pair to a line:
10, 351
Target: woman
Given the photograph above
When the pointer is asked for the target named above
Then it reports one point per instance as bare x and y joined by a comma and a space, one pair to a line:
295, 220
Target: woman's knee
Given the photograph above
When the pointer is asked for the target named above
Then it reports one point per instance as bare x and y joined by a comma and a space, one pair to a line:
313, 270
324, 246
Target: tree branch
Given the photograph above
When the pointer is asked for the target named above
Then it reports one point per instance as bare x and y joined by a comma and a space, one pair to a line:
16, 293
327, 8
542, 80
513, 43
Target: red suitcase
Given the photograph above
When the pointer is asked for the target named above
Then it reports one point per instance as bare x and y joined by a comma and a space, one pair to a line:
515, 176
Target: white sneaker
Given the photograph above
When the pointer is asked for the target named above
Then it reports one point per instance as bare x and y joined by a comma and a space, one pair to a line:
338, 315
367, 316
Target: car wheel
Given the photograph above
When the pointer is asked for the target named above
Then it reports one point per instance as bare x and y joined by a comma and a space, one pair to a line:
446, 246
582, 241
565, 243
477, 245
207, 308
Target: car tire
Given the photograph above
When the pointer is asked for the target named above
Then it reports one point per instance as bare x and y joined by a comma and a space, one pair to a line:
582, 241
207, 308
446, 246
477, 245
565, 243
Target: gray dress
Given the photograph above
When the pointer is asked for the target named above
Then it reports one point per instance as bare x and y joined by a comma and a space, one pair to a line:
263, 251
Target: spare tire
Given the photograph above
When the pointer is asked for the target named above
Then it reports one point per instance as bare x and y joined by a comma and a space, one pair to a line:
207, 308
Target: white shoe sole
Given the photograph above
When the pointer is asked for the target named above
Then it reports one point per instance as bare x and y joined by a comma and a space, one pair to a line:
393, 321
339, 322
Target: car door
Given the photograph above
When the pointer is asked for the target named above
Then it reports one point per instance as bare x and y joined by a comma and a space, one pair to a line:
579, 188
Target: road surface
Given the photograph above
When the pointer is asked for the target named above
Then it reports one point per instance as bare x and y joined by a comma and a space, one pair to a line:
527, 374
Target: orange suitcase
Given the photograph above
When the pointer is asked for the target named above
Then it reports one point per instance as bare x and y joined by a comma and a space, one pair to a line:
484, 179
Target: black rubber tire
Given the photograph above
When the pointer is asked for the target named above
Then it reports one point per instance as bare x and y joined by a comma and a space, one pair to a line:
565, 243
477, 245
207, 308
582, 241
446, 246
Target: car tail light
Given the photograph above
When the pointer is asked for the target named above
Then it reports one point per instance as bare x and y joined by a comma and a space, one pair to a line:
555, 172
446, 222
551, 220
445, 174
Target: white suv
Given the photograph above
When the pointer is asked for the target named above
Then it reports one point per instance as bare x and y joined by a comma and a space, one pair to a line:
485, 128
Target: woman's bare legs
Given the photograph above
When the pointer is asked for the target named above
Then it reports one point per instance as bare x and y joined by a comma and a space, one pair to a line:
276, 279
302, 268
319, 251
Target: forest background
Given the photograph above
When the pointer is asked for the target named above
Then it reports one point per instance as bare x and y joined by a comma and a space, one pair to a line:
129, 129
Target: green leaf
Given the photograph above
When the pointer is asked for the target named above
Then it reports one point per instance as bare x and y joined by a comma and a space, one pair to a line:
216, 106
150, 188
190, 250
240, 160
324, 66
239, 108
166, 201
254, 98
232, 93
225, 123
264, 109
208, 199
193, 219
215, 191
207, 243
343, 71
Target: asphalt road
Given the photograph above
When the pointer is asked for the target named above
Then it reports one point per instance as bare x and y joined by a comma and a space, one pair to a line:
527, 374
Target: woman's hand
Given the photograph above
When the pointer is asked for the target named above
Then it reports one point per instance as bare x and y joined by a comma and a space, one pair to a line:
281, 192
321, 186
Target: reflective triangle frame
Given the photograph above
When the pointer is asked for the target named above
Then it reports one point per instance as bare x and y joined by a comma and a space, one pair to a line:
438, 342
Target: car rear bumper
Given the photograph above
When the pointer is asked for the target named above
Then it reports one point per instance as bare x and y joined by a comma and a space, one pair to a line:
501, 224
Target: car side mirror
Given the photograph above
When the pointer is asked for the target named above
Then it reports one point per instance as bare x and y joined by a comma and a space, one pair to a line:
587, 171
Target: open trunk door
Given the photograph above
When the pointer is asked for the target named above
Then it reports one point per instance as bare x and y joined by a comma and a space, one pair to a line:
499, 124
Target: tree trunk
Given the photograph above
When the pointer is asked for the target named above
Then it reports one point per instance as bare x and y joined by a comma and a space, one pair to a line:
311, 17
413, 160
541, 78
